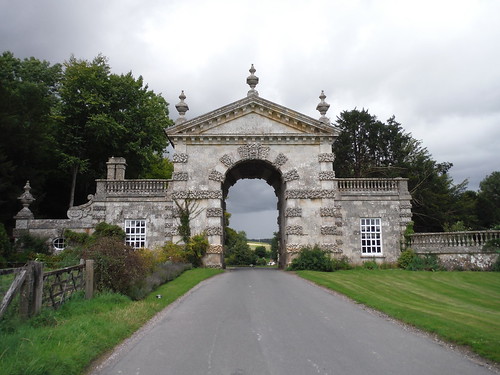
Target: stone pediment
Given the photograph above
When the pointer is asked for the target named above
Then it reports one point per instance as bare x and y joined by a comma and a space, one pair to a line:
251, 116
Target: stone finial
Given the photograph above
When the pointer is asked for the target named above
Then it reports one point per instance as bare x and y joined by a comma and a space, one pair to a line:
26, 199
323, 108
252, 81
182, 108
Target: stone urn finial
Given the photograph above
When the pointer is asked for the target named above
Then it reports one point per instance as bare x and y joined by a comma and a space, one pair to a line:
323, 108
252, 81
26, 199
182, 108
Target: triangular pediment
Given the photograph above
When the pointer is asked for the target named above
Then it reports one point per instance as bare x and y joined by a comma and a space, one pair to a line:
252, 116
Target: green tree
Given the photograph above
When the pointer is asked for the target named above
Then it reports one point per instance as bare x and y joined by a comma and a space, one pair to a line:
367, 147
488, 201
275, 243
28, 94
260, 251
104, 114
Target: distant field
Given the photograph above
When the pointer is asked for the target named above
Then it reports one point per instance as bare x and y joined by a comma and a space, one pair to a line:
254, 244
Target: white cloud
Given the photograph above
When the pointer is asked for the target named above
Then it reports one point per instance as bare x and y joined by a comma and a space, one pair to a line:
432, 63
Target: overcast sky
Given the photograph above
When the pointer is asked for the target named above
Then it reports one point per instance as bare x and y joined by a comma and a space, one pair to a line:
433, 64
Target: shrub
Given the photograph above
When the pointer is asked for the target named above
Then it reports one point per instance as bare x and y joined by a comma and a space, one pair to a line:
174, 253
341, 263
163, 273
118, 266
406, 258
76, 239
261, 261
427, 262
313, 259
196, 249
260, 251
370, 265
109, 230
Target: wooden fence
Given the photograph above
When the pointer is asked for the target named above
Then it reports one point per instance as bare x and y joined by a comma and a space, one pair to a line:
50, 289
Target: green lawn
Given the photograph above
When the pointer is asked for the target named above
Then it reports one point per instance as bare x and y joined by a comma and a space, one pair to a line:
461, 307
66, 341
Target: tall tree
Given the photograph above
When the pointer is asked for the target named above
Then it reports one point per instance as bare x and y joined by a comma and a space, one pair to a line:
28, 94
104, 114
367, 147
488, 203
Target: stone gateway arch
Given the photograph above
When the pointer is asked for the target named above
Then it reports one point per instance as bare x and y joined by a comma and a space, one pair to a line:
363, 219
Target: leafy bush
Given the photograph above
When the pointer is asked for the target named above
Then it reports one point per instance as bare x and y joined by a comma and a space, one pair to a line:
406, 258
370, 265
196, 249
109, 230
76, 239
260, 251
313, 259
341, 263
163, 273
492, 245
427, 262
174, 253
261, 261
411, 261
33, 244
118, 267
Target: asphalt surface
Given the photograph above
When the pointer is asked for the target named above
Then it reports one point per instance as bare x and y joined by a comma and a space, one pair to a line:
263, 321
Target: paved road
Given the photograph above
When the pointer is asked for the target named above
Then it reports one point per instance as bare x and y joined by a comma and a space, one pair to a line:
261, 321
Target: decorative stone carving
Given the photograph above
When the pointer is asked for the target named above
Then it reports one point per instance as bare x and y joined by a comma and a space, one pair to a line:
293, 248
180, 176
339, 224
405, 214
215, 249
214, 212
329, 230
330, 212
326, 157
214, 231
197, 194
327, 175
82, 211
294, 230
216, 176
227, 160
280, 160
291, 175
293, 212
405, 206
180, 158
253, 151
309, 194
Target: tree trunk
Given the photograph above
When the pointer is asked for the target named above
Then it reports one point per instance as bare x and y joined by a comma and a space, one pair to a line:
73, 186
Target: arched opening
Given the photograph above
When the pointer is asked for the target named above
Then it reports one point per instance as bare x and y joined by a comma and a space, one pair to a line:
262, 170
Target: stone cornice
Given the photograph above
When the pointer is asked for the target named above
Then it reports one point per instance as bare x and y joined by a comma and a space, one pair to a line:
269, 139
254, 104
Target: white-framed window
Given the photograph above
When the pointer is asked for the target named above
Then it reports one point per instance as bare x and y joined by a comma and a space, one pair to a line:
58, 244
371, 236
135, 231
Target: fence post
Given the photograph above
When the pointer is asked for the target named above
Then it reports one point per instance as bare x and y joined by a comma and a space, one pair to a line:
26, 292
89, 279
37, 287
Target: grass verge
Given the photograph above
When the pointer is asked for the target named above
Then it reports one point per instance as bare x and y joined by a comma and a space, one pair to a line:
66, 341
461, 307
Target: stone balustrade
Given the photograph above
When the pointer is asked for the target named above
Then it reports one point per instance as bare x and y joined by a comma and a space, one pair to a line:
127, 187
369, 184
447, 242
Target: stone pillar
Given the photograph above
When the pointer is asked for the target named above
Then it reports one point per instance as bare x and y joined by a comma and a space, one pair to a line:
116, 168
24, 216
